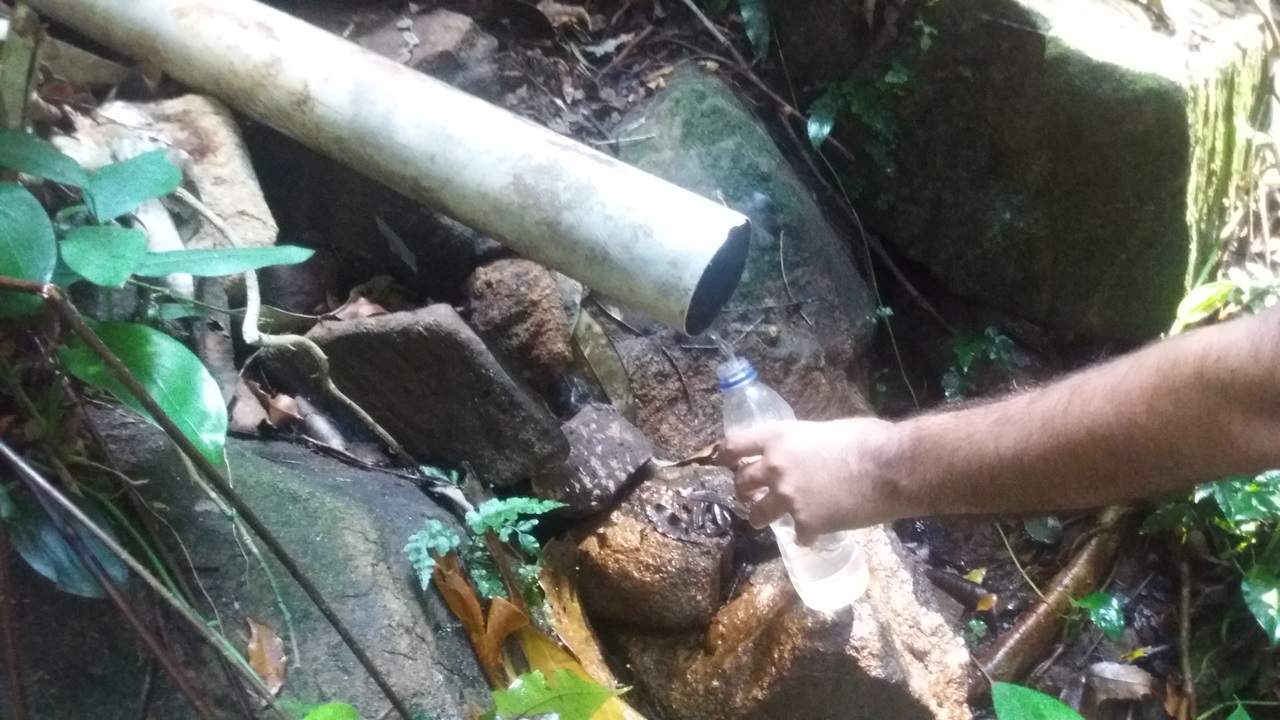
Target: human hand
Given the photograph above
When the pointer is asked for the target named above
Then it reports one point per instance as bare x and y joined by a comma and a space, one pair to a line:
828, 476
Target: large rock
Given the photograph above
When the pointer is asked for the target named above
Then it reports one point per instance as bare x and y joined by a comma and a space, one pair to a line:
766, 656
805, 334
648, 565
515, 303
444, 44
431, 382
346, 528
604, 452
1069, 162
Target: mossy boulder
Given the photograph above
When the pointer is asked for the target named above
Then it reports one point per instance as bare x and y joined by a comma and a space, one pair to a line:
1070, 162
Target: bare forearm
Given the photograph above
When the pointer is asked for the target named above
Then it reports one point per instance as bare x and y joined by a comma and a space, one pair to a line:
1189, 409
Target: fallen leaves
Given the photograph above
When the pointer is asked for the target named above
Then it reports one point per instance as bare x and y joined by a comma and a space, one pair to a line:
487, 632
266, 655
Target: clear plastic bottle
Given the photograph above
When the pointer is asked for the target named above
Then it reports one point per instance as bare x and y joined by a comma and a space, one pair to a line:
831, 573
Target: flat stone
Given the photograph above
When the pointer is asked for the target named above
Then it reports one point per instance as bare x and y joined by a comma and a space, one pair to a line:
766, 656
431, 382
1071, 163
631, 573
515, 303
345, 527
604, 452
806, 335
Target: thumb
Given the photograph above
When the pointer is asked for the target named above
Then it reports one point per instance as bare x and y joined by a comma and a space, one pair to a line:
745, 443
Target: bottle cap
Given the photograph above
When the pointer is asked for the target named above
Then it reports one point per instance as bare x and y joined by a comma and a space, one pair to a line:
735, 372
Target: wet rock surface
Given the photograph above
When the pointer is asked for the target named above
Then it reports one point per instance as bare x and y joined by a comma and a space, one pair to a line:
515, 303
431, 382
805, 334
604, 452
764, 655
1052, 159
345, 527
635, 574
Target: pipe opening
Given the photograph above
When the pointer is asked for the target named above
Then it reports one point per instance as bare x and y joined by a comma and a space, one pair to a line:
718, 281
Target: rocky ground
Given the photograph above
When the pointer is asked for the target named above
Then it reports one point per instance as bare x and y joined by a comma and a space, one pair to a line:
492, 370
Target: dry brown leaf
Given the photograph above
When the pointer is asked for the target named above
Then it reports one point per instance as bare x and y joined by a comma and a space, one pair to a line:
504, 618
561, 14
559, 582
358, 307
597, 352
266, 655
247, 413
705, 456
543, 654
1117, 681
451, 580
487, 634
282, 410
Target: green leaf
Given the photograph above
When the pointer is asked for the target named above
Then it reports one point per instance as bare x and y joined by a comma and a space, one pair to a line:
1246, 498
27, 153
333, 711
173, 375
28, 249
755, 17
502, 515
37, 540
1261, 590
434, 537
121, 187
570, 697
104, 254
1014, 702
1105, 611
1201, 302
222, 261
1240, 714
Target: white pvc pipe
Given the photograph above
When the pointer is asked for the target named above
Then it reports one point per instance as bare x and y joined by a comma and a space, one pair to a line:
664, 250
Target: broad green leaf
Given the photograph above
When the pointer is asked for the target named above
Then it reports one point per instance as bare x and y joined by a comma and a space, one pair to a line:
104, 254
1105, 611
1201, 302
1246, 498
27, 153
570, 697
173, 375
120, 187
1261, 590
37, 540
333, 711
1240, 714
28, 249
1014, 702
755, 17
219, 262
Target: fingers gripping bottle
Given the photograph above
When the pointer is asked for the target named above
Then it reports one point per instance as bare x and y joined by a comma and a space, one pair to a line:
829, 574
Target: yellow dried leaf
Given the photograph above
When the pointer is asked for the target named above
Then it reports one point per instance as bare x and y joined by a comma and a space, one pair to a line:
266, 655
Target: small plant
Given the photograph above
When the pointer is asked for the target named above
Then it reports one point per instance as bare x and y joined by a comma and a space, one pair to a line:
969, 353
1015, 702
1105, 611
511, 520
566, 696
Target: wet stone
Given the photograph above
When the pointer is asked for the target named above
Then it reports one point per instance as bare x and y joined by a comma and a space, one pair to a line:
515, 303
604, 451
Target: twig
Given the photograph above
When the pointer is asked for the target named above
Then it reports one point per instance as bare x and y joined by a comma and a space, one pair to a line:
307, 346
715, 32
782, 268
43, 492
1014, 557
688, 397
16, 688
63, 307
622, 54
1188, 706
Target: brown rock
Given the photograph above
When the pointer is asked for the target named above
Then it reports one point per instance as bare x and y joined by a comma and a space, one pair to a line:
604, 451
633, 572
444, 44
766, 656
431, 382
516, 304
